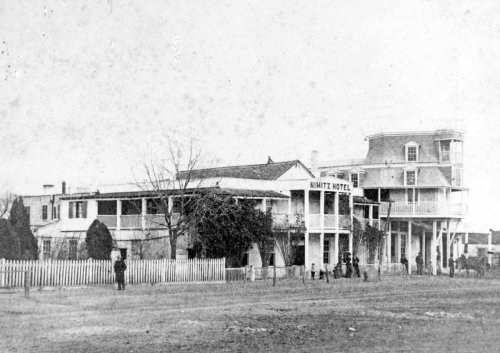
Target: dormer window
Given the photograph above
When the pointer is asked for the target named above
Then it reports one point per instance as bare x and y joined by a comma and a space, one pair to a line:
411, 150
410, 177
355, 180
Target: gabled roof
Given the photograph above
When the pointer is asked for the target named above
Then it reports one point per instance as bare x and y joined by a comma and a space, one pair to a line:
268, 171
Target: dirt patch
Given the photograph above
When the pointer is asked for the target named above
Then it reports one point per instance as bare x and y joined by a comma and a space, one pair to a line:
397, 314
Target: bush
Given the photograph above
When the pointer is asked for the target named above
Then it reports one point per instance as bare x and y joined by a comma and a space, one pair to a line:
99, 241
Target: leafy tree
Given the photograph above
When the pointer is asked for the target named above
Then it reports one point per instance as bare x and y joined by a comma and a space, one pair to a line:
9, 243
20, 222
99, 241
264, 237
222, 227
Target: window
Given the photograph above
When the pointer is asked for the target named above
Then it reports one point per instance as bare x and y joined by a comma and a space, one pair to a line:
77, 209
73, 245
106, 208
271, 259
54, 212
355, 180
44, 212
412, 154
410, 177
154, 206
27, 209
269, 205
326, 251
412, 195
403, 245
131, 207
411, 151
456, 176
46, 249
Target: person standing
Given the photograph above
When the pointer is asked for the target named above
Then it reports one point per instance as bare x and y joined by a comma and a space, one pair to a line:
348, 265
120, 268
404, 261
355, 263
313, 271
420, 263
451, 265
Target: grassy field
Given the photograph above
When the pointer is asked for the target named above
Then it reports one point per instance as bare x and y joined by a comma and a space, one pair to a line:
430, 314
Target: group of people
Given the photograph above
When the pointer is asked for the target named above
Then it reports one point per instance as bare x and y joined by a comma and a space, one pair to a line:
420, 264
352, 268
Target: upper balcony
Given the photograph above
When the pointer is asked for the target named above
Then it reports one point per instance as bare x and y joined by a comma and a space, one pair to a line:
317, 222
424, 209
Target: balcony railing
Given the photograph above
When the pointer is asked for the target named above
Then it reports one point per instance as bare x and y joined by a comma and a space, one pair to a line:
423, 209
131, 222
109, 221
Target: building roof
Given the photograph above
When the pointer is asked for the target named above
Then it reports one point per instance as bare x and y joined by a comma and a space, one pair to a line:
269, 171
394, 177
151, 193
363, 200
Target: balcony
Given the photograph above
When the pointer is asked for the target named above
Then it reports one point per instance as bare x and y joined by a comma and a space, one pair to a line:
131, 222
423, 209
330, 222
109, 221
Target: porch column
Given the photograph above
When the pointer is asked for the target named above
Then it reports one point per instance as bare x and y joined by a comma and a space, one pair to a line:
379, 195
389, 244
118, 214
322, 209
336, 250
170, 203
336, 211
306, 235
290, 217
143, 213
321, 249
448, 245
264, 204
398, 247
370, 214
423, 245
351, 207
433, 248
409, 255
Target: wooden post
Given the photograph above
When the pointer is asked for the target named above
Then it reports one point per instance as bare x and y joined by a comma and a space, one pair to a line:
326, 270
27, 283
3, 271
246, 271
303, 272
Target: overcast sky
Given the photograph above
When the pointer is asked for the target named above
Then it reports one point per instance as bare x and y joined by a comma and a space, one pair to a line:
88, 87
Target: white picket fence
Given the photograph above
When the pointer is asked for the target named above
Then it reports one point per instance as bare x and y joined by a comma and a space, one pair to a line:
62, 273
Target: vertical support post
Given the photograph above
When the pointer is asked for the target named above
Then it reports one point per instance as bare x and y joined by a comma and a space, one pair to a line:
398, 246
409, 255
466, 244
389, 244
306, 234
3, 271
322, 209
490, 235
118, 214
433, 248
27, 283
423, 245
351, 208
143, 213
264, 204
336, 249
448, 245
321, 249
336, 211
370, 215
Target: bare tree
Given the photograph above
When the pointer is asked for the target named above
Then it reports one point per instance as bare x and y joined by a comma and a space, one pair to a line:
289, 234
6, 200
172, 179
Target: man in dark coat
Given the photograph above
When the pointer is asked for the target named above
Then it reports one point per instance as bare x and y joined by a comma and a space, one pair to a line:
404, 261
355, 264
120, 268
420, 263
451, 265
348, 265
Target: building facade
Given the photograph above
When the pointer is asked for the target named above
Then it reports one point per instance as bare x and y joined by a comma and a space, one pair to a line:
417, 177
324, 205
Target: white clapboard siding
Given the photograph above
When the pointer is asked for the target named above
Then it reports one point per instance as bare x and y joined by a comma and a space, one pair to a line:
59, 273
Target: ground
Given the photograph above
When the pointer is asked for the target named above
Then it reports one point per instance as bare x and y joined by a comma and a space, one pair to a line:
428, 314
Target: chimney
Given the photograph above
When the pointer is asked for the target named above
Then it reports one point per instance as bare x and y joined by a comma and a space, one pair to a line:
63, 190
269, 160
48, 189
